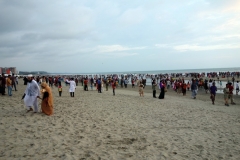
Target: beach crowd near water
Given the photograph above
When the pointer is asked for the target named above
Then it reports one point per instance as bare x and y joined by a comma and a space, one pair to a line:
178, 82
167, 90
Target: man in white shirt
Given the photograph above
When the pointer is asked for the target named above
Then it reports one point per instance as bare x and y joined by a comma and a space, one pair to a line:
31, 94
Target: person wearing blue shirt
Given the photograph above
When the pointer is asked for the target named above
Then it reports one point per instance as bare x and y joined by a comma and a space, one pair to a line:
99, 83
213, 90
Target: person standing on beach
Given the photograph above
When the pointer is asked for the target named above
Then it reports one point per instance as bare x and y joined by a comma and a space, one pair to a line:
237, 88
13, 79
162, 88
107, 83
230, 96
188, 86
72, 86
226, 93
59, 89
194, 89
154, 88
125, 82
213, 90
85, 84
2, 84
114, 87
31, 94
206, 85
141, 86
9, 85
184, 88
99, 85
168, 83
133, 83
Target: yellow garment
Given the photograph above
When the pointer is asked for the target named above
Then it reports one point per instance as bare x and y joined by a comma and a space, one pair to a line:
9, 82
47, 103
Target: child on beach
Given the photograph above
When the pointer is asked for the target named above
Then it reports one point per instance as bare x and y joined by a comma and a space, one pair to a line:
60, 90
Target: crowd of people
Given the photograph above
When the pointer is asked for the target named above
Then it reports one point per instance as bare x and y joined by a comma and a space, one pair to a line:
162, 82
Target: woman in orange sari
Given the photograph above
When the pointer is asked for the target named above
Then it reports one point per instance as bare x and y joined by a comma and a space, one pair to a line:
47, 99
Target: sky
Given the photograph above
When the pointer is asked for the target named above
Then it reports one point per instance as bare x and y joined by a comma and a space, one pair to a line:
91, 36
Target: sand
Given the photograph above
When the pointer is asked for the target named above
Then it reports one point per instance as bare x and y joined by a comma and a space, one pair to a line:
101, 126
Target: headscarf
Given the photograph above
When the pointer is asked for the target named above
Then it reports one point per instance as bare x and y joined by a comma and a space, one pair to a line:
46, 88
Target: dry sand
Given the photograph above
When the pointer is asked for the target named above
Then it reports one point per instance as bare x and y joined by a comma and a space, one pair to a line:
101, 126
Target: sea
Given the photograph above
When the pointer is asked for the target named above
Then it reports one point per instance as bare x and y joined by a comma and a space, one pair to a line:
204, 70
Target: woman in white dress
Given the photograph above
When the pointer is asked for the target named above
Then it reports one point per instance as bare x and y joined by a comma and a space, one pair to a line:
72, 86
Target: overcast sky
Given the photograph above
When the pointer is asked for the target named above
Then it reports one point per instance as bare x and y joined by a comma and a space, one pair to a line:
119, 35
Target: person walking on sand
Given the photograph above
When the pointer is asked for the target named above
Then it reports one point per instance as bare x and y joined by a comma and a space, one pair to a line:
113, 86
72, 86
141, 86
154, 89
162, 88
99, 85
59, 90
47, 99
194, 89
31, 94
226, 93
213, 90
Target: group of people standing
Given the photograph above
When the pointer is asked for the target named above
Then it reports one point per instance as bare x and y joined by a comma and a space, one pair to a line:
33, 91
9, 82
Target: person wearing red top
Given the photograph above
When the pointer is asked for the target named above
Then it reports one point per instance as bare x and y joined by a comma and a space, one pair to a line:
184, 89
85, 84
230, 96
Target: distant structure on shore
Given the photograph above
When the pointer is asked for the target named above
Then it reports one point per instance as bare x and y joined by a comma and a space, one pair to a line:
33, 72
8, 70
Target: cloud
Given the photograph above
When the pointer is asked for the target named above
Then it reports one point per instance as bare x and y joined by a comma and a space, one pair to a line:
115, 48
115, 55
188, 47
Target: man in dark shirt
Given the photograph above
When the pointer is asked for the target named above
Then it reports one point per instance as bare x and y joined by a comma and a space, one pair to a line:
13, 78
2, 84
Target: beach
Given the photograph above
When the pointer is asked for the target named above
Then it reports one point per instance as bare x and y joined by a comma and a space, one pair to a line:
101, 126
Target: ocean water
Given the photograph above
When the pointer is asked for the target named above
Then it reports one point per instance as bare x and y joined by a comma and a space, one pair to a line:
204, 70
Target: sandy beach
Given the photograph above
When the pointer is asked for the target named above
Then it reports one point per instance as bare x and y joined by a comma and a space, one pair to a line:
100, 126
